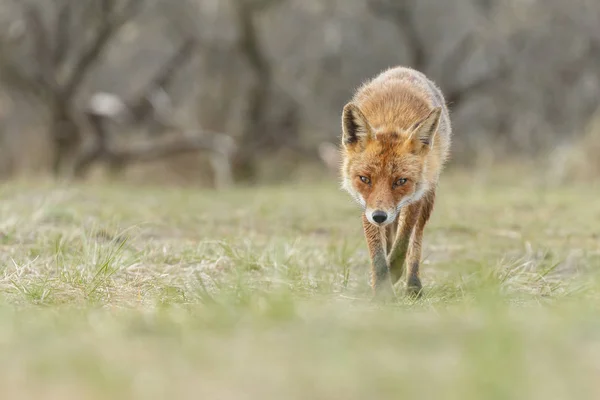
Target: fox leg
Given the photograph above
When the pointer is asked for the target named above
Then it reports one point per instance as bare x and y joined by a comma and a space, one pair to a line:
390, 235
397, 255
380, 278
413, 282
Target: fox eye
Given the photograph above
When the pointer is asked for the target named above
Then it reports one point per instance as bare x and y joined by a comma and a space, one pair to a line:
365, 180
400, 182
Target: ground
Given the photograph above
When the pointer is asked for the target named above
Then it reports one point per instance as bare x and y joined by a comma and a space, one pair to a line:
122, 292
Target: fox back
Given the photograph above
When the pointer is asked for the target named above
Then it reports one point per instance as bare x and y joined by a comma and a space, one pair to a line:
395, 142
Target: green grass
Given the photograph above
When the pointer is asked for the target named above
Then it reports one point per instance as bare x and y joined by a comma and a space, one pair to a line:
115, 292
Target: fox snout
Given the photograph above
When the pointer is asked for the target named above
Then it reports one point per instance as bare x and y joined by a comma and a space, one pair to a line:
380, 217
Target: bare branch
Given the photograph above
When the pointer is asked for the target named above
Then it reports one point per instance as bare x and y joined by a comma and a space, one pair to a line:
248, 40
455, 61
108, 29
141, 106
63, 39
45, 70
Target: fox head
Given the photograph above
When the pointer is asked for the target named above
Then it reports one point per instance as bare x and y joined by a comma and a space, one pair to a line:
384, 171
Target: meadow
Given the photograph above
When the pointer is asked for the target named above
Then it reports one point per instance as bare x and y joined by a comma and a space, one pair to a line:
109, 290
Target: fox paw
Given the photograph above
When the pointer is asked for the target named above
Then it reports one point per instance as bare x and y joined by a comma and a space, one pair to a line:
413, 287
385, 294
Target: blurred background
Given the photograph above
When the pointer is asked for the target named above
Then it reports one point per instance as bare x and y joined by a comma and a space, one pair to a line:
220, 92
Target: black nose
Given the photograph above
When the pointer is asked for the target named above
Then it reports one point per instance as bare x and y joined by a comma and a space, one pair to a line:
379, 216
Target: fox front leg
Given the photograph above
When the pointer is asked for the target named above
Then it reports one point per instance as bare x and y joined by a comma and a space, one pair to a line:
413, 281
398, 253
380, 272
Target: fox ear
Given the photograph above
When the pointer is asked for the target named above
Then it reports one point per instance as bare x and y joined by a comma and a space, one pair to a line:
356, 128
424, 131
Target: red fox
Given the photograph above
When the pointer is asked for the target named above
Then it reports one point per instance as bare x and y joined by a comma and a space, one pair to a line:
395, 143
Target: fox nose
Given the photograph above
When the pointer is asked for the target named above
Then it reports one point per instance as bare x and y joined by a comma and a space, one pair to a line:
379, 216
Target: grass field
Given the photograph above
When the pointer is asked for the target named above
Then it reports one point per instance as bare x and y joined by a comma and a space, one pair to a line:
116, 292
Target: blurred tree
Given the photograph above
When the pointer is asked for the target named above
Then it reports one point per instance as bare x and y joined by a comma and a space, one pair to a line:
520, 76
55, 66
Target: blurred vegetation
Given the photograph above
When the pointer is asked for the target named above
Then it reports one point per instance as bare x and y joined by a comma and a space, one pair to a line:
238, 90
109, 291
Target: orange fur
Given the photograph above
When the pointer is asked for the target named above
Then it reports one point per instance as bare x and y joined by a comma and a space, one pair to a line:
396, 140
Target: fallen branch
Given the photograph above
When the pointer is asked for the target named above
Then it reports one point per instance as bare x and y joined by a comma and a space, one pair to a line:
160, 149
220, 146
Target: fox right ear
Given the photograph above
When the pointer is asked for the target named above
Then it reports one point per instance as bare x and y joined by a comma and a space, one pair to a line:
355, 127
424, 131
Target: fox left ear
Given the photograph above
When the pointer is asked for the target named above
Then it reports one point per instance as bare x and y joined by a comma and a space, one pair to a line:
424, 131
356, 128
